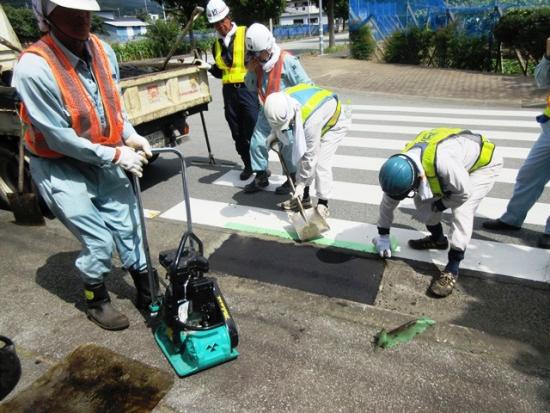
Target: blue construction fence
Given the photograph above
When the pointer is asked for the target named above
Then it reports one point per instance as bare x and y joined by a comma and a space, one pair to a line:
474, 18
295, 31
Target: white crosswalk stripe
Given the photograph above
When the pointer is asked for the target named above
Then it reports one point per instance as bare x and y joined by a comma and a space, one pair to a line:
389, 128
408, 131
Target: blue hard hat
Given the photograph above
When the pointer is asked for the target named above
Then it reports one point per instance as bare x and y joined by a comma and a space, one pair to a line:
398, 176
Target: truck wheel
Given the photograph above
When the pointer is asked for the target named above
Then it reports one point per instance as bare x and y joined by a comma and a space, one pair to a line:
8, 176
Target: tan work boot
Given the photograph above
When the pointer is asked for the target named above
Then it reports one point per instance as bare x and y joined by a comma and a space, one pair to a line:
292, 205
444, 284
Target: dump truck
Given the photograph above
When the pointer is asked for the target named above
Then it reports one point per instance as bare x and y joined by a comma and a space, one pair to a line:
158, 101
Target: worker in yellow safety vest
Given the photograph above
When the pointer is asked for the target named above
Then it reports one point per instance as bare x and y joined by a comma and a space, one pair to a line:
442, 168
240, 104
311, 121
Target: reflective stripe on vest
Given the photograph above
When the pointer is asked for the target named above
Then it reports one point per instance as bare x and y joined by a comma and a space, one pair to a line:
237, 71
428, 140
273, 80
311, 98
84, 118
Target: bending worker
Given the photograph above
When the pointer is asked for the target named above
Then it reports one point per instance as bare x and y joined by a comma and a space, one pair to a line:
270, 70
240, 104
310, 121
80, 144
534, 174
440, 169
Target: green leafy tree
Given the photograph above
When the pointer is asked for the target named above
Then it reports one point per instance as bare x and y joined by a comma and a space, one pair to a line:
334, 9
97, 25
243, 11
162, 34
24, 24
142, 15
247, 12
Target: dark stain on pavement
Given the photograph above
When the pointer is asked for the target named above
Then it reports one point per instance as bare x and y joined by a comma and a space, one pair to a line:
94, 379
326, 271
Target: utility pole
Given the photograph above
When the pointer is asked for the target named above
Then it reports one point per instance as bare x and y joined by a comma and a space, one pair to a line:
308, 18
321, 46
163, 11
146, 11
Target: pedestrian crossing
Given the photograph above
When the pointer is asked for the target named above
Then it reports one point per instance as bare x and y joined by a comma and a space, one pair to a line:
377, 131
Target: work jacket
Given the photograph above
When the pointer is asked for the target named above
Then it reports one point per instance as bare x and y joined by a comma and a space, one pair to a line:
428, 141
273, 78
79, 105
233, 71
312, 98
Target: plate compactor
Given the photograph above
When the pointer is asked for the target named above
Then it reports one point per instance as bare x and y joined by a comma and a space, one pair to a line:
194, 327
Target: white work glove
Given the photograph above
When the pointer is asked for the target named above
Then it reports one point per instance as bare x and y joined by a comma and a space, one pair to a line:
139, 143
383, 245
131, 161
299, 191
202, 64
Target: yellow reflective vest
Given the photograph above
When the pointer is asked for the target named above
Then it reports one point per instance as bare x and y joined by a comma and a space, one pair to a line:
311, 98
237, 71
428, 140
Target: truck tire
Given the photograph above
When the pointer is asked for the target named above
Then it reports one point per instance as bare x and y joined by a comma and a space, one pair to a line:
8, 175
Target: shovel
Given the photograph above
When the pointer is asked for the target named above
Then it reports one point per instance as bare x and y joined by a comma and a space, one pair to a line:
308, 224
24, 206
194, 14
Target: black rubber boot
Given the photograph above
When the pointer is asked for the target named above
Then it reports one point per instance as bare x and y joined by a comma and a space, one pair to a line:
260, 182
101, 311
245, 174
247, 171
141, 281
285, 188
498, 225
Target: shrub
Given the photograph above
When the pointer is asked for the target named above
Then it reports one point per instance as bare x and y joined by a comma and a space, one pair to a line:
410, 46
526, 30
470, 53
362, 43
134, 50
162, 34
441, 41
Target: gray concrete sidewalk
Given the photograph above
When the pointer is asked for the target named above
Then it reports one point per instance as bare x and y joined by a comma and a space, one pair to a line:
357, 75
299, 352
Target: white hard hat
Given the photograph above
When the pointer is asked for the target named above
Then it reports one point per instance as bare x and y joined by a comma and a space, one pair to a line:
43, 8
90, 5
279, 111
216, 10
258, 38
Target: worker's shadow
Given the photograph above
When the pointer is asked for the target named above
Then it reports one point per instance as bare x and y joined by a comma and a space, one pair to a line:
60, 277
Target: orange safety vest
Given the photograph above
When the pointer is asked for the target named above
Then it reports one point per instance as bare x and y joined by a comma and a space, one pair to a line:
84, 119
274, 79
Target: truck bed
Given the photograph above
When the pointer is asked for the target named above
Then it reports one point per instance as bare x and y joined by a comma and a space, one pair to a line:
150, 94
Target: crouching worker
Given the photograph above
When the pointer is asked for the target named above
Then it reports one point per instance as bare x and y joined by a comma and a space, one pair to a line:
440, 169
313, 119
81, 145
